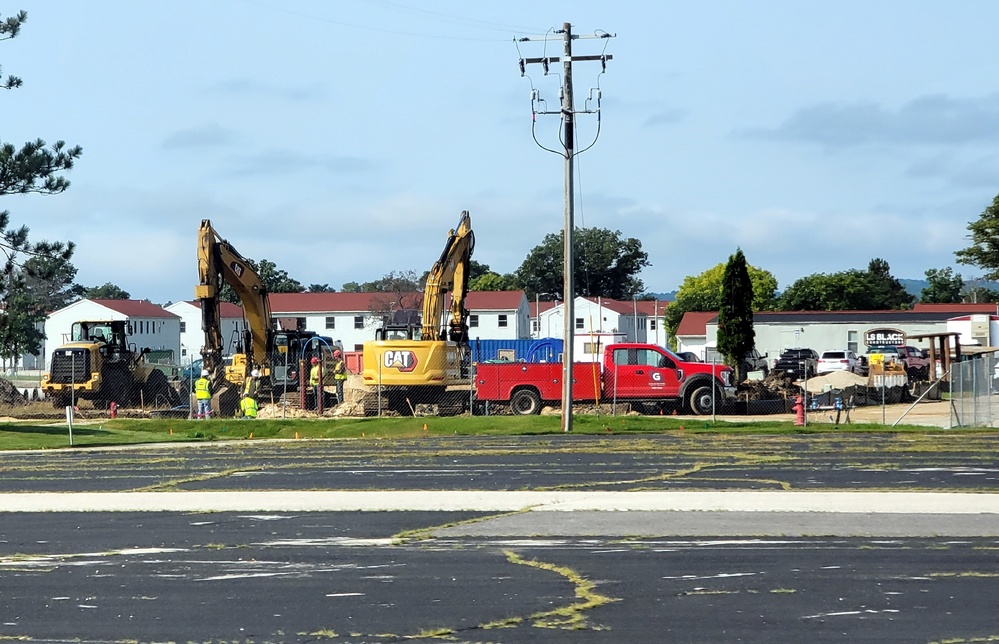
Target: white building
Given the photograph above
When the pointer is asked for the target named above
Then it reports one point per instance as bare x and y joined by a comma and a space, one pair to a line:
593, 315
498, 315
153, 326
777, 331
352, 318
192, 337
597, 323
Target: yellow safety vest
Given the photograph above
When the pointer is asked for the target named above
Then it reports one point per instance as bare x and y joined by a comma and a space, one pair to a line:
249, 407
314, 376
339, 369
250, 387
202, 389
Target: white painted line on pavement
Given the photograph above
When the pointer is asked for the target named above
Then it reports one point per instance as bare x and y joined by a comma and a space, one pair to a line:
504, 501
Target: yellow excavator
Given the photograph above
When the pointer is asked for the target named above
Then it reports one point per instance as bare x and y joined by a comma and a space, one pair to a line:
427, 363
276, 354
218, 261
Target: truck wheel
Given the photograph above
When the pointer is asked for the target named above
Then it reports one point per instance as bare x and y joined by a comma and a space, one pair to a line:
700, 400
525, 402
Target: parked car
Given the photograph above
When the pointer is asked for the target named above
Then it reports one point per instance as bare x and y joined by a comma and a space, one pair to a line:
831, 361
755, 361
798, 363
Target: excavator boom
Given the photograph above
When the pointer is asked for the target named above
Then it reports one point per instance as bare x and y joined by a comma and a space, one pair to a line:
449, 273
218, 261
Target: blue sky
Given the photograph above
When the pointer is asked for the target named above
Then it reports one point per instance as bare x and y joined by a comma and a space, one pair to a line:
341, 140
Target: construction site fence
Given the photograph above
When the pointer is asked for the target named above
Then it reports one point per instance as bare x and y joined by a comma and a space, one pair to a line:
968, 389
972, 387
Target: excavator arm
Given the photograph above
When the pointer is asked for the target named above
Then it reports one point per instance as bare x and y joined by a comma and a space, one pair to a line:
218, 261
450, 273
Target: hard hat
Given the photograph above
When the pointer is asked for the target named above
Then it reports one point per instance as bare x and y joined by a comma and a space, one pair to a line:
204, 372
336, 352
315, 361
255, 373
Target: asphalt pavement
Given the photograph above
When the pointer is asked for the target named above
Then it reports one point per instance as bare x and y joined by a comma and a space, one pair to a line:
558, 539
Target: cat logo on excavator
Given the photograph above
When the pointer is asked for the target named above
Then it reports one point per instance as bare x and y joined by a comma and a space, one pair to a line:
404, 361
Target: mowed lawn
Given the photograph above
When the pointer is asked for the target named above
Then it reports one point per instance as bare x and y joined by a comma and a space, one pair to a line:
27, 434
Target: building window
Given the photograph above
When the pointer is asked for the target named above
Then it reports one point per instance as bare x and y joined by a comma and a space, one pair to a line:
592, 348
501, 321
183, 326
641, 323
851, 341
535, 325
330, 322
358, 347
652, 325
473, 321
358, 321
579, 323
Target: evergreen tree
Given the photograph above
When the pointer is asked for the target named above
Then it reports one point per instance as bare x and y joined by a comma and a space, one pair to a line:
736, 336
35, 275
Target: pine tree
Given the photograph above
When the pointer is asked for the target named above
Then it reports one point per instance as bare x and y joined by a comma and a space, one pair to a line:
736, 336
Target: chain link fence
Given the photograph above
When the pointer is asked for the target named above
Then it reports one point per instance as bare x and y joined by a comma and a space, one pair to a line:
163, 387
972, 385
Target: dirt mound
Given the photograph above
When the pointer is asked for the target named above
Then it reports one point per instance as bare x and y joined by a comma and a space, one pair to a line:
835, 380
10, 395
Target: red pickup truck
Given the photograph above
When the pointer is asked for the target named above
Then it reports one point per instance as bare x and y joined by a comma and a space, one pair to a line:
630, 372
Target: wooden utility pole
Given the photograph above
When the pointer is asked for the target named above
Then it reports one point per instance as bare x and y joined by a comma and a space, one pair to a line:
567, 112
568, 289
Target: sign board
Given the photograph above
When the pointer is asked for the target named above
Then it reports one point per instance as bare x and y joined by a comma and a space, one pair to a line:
884, 337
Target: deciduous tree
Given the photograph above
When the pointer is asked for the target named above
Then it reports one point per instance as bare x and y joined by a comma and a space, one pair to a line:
107, 291
703, 293
943, 287
984, 236
606, 265
851, 290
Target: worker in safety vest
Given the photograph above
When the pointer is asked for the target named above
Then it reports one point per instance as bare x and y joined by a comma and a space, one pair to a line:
203, 393
252, 384
248, 405
339, 374
314, 383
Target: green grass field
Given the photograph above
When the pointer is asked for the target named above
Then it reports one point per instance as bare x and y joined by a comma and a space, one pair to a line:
21, 435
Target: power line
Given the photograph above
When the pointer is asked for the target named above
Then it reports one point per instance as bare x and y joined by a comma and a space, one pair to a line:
567, 113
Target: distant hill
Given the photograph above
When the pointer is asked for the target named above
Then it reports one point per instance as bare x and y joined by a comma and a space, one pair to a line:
915, 287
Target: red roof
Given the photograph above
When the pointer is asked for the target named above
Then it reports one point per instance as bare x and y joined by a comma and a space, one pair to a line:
653, 308
494, 300
226, 309
961, 307
359, 302
136, 308
544, 306
695, 323
330, 302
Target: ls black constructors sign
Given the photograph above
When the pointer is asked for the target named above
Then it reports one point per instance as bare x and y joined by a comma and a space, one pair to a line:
884, 338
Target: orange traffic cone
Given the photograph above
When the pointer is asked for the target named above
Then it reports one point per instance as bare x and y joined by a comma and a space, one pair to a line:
251, 433
424, 427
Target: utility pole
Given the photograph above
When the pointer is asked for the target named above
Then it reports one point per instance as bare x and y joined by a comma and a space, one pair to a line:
567, 112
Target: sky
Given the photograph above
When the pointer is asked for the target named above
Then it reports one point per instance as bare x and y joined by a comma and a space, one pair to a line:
341, 140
